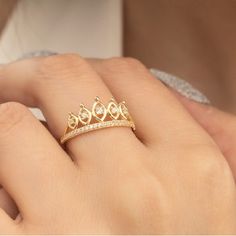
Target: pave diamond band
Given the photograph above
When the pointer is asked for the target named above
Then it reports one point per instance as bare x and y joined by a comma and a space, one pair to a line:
105, 124
101, 116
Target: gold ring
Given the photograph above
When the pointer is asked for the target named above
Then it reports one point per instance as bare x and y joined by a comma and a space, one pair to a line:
101, 116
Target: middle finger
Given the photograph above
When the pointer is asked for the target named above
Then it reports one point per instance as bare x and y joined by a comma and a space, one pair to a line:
57, 85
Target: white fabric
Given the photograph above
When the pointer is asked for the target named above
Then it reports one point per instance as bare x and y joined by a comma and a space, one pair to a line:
92, 28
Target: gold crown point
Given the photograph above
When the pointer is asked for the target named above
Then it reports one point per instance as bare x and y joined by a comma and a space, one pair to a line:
107, 115
71, 115
72, 121
97, 99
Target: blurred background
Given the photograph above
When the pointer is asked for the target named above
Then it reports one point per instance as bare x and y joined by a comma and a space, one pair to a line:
92, 28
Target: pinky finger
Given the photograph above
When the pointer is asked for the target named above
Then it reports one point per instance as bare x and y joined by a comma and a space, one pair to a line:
7, 225
7, 204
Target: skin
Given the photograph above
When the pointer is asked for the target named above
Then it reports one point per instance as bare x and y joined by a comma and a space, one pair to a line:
213, 122
170, 174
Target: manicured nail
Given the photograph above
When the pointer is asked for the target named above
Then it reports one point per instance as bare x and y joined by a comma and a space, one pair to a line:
40, 53
181, 86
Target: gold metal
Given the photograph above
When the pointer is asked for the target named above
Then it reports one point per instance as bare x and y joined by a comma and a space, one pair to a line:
101, 116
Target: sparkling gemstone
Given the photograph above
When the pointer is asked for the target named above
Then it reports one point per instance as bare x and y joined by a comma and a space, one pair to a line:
125, 110
72, 121
84, 115
99, 110
114, 110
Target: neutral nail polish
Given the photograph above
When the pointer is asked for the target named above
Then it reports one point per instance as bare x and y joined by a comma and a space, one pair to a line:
181, 86
40, 53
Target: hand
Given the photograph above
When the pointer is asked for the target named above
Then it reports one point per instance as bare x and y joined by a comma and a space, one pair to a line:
168, 177
220, 125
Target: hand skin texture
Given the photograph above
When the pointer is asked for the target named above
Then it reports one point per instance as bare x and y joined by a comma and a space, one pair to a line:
170, 177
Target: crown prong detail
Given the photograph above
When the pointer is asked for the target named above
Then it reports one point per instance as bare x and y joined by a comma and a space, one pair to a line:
97, 99
84, 115
99, 110
113, 109
124, 110
72, 121
100, 116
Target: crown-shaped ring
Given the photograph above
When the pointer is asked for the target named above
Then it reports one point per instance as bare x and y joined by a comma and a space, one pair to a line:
100, 116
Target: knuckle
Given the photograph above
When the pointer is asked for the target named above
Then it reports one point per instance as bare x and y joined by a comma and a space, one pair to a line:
124, 64
215, 172
60, 60
61, 66
219, 167
142, 191
212, 165
150, 191
133, 62
11, 115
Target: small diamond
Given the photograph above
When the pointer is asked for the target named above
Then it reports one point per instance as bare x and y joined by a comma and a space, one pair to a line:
114, 110
84, 116
99, 110
125, 110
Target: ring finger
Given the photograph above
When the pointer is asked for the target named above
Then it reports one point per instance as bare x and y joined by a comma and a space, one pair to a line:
57, 85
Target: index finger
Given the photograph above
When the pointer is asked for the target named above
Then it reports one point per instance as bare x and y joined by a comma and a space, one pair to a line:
32, 165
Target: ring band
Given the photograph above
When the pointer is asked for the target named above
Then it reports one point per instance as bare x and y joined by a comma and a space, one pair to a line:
101, 116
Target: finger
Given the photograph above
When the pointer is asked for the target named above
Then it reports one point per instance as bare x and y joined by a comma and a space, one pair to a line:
33, 167
58, 84
157, 113
7, 204
220, 125
7, 225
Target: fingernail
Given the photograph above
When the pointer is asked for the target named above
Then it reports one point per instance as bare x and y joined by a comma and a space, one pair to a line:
181, 86
40, 53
